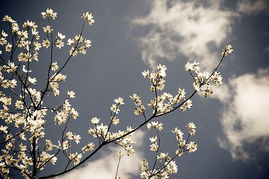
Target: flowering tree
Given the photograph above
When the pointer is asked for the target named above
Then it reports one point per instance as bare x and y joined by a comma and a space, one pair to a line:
25, 114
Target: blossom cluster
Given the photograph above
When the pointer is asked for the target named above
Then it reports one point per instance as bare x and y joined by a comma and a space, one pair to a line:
139, 107
164, 164
203, 80
79, 45
157, 78
228, 49
165, 102
103, 132
23, 111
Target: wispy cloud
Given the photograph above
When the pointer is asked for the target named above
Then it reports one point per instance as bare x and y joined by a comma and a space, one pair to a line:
245, 114
184, 28
250, 6
105, 167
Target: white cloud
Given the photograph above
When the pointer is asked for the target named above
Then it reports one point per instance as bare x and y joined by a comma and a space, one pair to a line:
252, 6
185, 28
105, 167
245, 117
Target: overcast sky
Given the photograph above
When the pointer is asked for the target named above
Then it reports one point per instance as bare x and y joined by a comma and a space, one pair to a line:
132, 35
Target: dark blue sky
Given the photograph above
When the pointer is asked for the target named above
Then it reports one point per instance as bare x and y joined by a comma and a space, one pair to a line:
122, 47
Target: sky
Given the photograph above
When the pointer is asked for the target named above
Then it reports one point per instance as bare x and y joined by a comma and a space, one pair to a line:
129, 36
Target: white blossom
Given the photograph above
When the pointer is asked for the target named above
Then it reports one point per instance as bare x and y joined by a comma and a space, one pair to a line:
49, 14
88, 17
